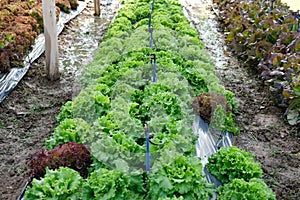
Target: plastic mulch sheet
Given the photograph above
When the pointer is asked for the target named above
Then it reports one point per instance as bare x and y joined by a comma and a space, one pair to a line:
208, 143
10, 80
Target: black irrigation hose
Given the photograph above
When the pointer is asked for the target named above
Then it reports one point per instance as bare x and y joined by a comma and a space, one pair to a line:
23, 191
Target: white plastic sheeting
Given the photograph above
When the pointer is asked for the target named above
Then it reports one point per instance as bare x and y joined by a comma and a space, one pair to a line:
208, 143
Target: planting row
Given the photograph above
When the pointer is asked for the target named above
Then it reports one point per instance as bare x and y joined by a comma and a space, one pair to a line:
20, 23
264, 35
97, 151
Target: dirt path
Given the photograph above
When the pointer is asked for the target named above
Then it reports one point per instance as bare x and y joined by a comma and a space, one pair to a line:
28, 113
264, 130
27, 118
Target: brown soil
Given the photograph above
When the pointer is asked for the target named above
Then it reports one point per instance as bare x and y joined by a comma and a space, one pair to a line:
265, 133
28, 117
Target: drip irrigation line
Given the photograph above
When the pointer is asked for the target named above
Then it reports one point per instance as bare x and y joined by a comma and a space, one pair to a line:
153, 57
151, 37
23, 191
148, 158
157, 144
152, 5
150, 29
149, 21
154, 80
148, 141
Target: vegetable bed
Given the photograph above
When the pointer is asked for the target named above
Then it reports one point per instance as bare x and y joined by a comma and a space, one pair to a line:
98, 151
263, 34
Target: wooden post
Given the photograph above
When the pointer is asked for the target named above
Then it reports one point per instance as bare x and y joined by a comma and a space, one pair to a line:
97, 7
50, 32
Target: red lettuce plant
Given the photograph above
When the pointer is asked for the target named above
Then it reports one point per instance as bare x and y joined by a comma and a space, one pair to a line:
20, 23
265, 38
206, 103
72, 155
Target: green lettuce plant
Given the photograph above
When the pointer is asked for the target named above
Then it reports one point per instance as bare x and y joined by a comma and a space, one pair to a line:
112, 184
71, 130
63, 183
255, 189
118, 97
230, 163
177, 175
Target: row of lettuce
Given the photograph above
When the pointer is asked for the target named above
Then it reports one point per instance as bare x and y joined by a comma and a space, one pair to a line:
264, 35
21, 21
97, 151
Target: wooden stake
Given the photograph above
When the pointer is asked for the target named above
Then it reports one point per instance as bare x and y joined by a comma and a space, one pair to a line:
50, 32
97, 7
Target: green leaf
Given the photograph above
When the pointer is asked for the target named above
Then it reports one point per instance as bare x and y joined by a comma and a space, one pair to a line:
255, 189
63, 183
229, 163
